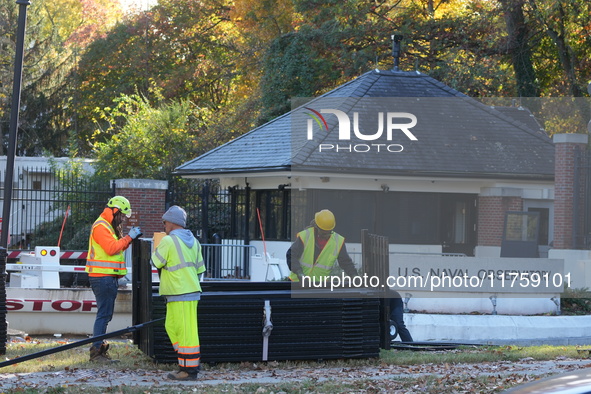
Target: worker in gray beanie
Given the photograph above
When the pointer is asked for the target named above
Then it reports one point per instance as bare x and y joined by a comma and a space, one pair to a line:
176, 215
180, 263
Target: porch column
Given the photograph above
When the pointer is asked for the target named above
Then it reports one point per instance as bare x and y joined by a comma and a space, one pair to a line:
148, 203
493, 203
564, 187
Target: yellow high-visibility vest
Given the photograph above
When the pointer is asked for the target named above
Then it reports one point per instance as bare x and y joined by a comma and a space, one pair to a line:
180, 266
326, 259
99, 261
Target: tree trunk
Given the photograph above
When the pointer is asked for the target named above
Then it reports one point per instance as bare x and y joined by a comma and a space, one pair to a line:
518, 48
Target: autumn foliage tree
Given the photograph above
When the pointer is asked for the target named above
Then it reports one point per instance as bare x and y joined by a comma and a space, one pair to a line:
240, 62
185, 48
55, 32
152, 140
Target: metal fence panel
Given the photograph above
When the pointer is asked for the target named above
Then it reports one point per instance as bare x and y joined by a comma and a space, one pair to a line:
217, 216
53, 207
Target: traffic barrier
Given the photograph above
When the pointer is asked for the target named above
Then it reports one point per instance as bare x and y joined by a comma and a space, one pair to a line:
33, 275
64, 255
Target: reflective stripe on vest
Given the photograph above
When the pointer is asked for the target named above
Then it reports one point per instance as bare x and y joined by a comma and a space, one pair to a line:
327, 257
99, 261
179, 276
183, 263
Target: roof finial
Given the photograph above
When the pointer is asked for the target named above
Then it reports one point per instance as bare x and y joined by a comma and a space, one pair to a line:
396, 38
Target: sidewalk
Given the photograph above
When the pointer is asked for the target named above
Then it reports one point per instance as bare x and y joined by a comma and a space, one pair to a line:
267, 373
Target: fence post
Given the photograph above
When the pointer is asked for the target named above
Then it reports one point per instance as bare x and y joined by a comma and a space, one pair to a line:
216, 256
3, 311
205, 213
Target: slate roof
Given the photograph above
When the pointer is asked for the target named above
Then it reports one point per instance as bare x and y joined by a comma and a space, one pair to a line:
457, 136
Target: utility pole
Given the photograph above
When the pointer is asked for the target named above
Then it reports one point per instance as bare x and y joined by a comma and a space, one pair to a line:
10, 155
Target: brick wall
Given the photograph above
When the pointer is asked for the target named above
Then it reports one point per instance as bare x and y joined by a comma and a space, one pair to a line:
564, 193
491, 216
148, 203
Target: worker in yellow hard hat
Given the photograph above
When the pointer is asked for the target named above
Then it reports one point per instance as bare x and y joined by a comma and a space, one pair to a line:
317, 249
106, 264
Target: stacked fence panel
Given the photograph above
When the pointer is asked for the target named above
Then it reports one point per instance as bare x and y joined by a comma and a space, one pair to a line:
231, 318
231, 327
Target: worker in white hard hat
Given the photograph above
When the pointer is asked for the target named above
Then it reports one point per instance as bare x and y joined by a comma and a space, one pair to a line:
317, 249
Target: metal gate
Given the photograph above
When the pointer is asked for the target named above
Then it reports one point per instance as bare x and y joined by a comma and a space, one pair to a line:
213, 212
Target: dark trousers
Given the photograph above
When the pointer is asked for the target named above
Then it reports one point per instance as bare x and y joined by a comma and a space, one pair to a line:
397, 316
105, 292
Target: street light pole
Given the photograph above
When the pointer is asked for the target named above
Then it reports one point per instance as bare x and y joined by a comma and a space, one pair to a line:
10, 154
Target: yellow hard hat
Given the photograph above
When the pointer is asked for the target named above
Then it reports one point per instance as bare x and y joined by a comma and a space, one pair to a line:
122, 203
325, 220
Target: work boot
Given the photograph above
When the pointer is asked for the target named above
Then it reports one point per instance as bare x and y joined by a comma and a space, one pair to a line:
183, 375
99, 355
94, 353
103, 350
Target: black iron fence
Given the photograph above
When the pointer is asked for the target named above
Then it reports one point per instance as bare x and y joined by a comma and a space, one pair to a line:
53, 207
232, 213
58, 206
213, 212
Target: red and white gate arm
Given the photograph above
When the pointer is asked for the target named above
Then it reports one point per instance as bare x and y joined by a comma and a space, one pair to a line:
64, 255
43, 267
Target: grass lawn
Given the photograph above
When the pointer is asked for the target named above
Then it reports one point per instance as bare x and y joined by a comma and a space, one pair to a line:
428, 371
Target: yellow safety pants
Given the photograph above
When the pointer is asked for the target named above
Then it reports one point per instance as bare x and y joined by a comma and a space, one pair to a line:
181, 327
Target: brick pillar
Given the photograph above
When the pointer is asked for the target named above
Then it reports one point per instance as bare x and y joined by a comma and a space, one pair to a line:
564, 193
493, 203
148, 199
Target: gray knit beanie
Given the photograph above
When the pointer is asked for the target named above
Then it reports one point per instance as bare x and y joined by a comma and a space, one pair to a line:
176, 215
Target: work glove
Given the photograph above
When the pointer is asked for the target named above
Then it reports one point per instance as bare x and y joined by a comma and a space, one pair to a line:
135, 232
